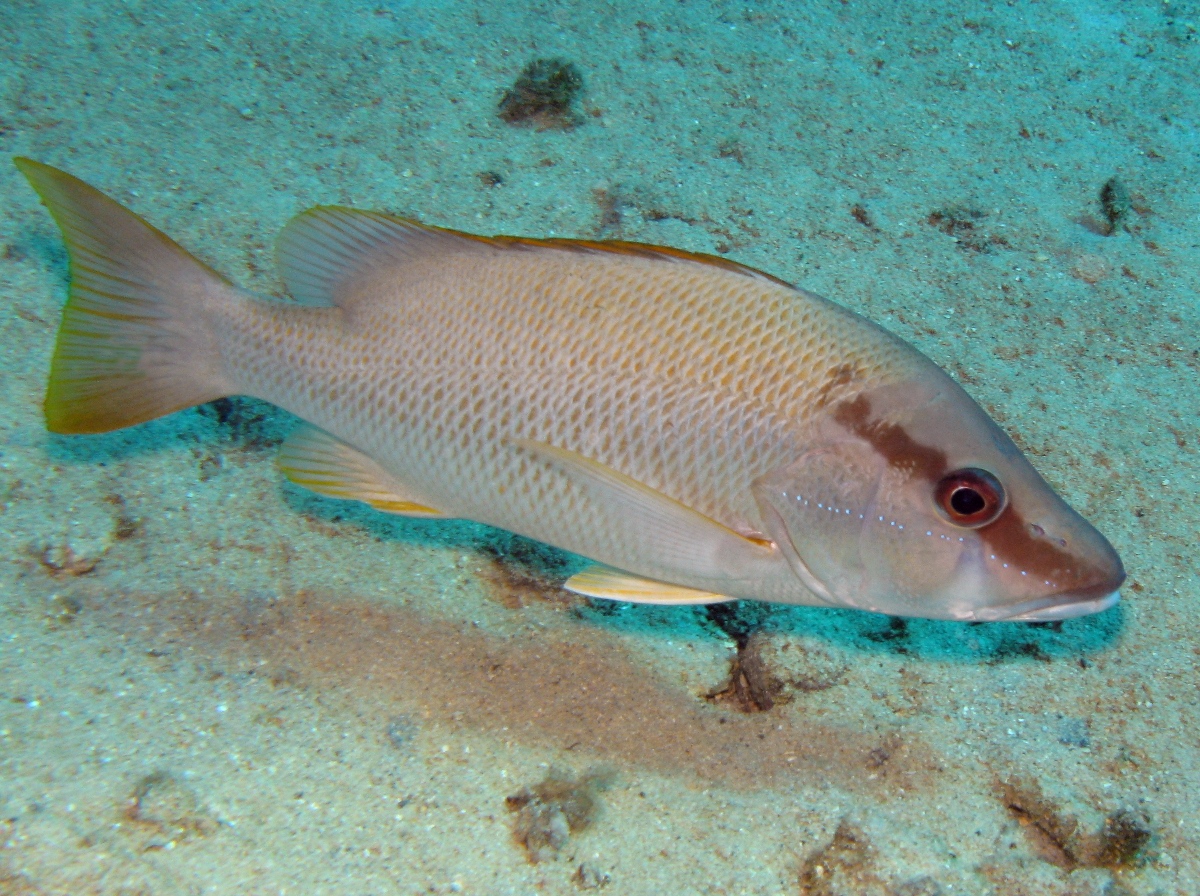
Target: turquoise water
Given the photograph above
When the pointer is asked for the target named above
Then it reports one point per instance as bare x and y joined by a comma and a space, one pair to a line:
216, 683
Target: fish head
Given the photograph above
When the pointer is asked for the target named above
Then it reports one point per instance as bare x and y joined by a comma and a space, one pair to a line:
911, 501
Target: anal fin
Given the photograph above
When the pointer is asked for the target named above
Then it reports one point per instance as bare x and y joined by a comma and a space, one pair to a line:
615, 584
328, 466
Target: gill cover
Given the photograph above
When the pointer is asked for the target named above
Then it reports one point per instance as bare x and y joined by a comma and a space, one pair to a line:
815, 509
855, 515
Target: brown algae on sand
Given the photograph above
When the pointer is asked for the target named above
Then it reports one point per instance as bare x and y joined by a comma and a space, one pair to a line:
542, 96
1061, 839
551, 811
167, 811
1115, 201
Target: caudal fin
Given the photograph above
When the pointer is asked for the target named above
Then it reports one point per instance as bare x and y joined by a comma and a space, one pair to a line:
136, 338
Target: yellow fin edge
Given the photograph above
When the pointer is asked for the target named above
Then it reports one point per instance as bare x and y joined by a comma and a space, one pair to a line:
615, 584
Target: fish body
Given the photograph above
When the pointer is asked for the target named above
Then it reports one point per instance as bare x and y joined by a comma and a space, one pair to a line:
701, 430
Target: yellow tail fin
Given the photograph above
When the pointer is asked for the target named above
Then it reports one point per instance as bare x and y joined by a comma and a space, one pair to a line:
136, 337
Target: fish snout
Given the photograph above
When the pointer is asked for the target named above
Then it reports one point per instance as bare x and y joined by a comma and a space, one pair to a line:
1089, 583
1101, 573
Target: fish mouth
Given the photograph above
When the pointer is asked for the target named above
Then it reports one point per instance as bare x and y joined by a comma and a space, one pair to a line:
1102, 592
1062, 609
1052, 607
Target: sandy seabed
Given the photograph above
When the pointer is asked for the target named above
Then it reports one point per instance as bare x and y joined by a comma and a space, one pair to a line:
214, 683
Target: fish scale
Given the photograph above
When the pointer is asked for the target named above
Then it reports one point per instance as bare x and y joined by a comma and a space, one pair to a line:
525, 390
702, 430
535, 361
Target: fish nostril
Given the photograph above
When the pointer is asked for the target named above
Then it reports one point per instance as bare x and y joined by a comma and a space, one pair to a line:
1038, 532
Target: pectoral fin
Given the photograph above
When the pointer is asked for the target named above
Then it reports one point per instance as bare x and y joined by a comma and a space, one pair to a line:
674, 535
328, 466
614, 584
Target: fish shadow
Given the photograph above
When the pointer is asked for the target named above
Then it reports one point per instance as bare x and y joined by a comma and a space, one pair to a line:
227, 426
992, 643
860, 635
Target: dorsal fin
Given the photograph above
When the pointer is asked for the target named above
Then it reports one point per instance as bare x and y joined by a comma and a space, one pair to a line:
323, 251
639, 250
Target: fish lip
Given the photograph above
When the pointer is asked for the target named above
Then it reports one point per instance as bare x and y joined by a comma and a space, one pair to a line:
1100, 595
1053, 607
1068, 609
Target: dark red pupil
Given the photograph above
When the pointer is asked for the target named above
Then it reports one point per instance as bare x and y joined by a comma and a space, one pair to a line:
967, 501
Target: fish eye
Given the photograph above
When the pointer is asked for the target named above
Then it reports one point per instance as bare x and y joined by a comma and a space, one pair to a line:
970, 497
